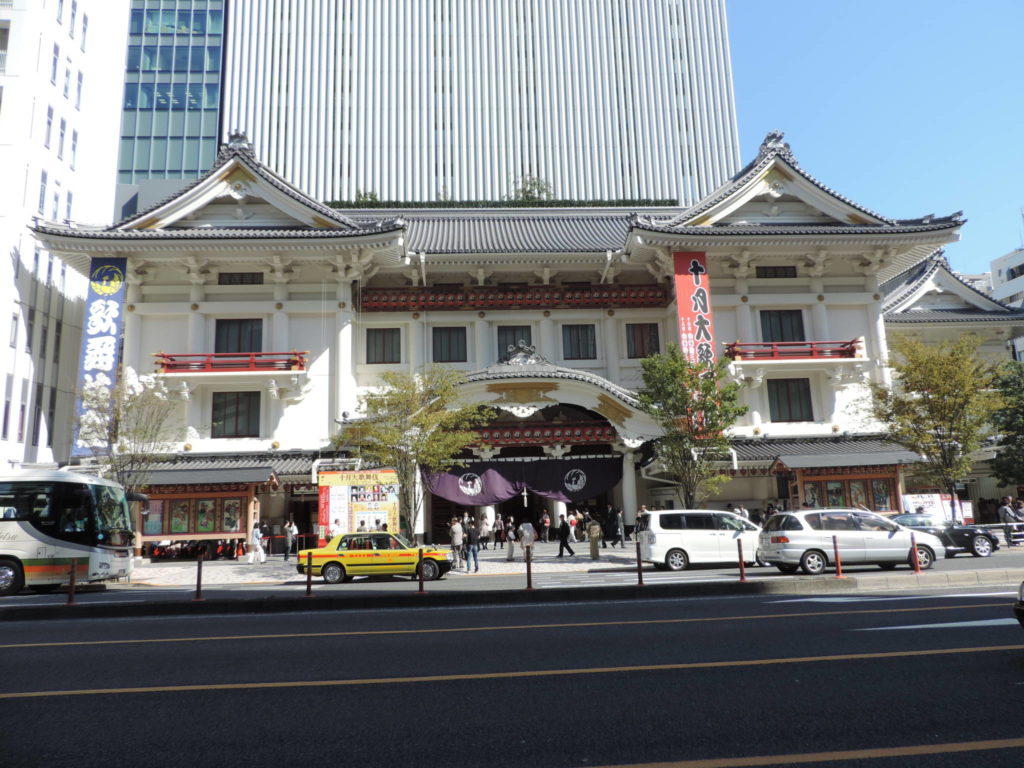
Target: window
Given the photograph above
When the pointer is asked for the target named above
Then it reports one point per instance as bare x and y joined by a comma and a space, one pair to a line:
54, 64
78, 92
37, 414
449, 345
85, 28
49, 127
240, 278
511, 335
239, 336
60, 139
67, 79
5, 431
235, 414
642, 340
14, 330
44, 331
42, 193
23, 411
579, 342
383, 345
790, 400
55, 208
67, 205
782, 325
51, 417
775, 272
74, 148
60, 11
56, 340
30, 326
699, 522
71, 18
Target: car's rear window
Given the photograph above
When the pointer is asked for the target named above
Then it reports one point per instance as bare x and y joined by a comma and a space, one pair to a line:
699, 522
783, 523
671, 522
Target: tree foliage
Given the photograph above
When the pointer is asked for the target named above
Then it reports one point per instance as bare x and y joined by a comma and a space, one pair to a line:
1008, 422
694, 405
411, 422
138, 421
530, 189
940, 404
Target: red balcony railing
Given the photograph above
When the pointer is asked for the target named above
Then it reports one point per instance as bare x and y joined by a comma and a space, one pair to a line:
497, 297
577, 433
791, 350
229, 362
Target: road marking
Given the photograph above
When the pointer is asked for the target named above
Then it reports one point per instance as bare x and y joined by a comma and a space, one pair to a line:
948, 625
825, 757
512, 675
878, 599
504, 628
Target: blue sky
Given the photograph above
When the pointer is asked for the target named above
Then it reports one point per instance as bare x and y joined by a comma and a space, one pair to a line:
907, 107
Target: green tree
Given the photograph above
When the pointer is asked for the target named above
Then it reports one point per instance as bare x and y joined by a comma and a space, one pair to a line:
1008, 422
940, 405
369, 196
694, 405
530, 189
411, 422
134, 421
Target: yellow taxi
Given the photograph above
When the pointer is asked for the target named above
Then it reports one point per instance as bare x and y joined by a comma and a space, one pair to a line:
373, 554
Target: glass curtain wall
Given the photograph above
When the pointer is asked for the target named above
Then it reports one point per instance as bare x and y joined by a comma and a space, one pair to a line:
171, 108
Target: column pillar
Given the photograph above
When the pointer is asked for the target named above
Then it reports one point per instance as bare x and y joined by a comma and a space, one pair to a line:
279, 324
486, 513
416, 353
344, 389
133, 330
611, 349
548, 346
482, 339
629, 501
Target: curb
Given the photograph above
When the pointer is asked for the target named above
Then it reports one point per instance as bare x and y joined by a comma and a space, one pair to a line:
798, 585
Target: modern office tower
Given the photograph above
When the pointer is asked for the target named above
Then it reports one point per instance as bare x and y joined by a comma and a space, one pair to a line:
459, 99
171, 118
60, 84
1008, 287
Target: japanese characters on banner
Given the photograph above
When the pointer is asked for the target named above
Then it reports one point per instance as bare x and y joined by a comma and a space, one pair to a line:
693, 306
97, 367
938, 504
350, 498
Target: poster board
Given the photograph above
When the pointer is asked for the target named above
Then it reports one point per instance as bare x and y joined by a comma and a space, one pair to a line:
350, 498
938, 504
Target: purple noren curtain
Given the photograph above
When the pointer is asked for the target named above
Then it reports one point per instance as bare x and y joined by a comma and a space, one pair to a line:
489, 482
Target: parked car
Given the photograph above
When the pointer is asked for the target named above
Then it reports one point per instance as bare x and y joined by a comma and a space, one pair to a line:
373, 554
675, 538
956, 538
803, 539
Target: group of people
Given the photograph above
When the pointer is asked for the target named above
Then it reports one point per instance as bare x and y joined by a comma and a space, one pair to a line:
1011, 514
261, 533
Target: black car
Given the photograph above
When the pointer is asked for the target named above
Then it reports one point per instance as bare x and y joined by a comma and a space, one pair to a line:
957, 538
1018, 609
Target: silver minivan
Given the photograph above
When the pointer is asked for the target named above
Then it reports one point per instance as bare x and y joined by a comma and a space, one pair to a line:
803, 539
674, 538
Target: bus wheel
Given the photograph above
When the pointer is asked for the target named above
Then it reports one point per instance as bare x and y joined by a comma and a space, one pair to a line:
11, 578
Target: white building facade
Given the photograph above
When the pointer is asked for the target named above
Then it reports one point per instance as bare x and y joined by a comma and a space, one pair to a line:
267, 314
423, 100
59, 103
1008, 287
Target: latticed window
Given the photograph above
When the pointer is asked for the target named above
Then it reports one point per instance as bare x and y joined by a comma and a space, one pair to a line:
579, 342
790, 400
383, 345
782, 325
236, 414
642, 340
449, 345
239, 336
510, 335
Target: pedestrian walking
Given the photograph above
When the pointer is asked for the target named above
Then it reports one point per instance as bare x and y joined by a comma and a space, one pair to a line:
618, 529
257, 546
456, 533
546, 529
510, 537
564, 531
499, 532
290, 532
485, 531
527, 536
572, 526
1007, 518
473, 548
594, 535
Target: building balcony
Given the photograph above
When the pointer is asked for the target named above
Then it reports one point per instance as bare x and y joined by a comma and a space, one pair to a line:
230, 362
575, 433
527, 297
793, 350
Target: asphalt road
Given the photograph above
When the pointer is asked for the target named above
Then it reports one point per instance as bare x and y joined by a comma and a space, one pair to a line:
883, 680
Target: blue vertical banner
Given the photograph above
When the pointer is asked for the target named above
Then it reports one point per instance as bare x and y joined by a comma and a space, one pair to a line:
98, 363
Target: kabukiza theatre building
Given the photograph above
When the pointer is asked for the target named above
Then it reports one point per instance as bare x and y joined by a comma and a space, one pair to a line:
266, 313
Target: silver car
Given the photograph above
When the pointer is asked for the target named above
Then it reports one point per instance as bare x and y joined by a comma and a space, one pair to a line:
803, 539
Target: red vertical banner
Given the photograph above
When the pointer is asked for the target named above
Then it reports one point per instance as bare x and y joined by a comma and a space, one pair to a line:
323, 514
693, 307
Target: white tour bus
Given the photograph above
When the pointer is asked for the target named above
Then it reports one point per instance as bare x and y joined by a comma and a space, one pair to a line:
49, 518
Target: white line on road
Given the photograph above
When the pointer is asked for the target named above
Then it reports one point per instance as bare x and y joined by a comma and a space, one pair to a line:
947, 625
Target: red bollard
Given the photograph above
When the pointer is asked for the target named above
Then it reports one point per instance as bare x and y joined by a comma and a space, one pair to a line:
309, 574
839, 560
743, 566
639, 566
421, 591
71, 582
529, 568
199, 578
913, 553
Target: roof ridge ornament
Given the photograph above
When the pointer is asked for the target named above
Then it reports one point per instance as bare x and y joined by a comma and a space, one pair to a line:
237, 142
522, 353
773, 144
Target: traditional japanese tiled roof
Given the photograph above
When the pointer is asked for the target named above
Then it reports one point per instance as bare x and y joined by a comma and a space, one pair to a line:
518, 232
193, 468
798, 453
772, 149
955, 316
210, 233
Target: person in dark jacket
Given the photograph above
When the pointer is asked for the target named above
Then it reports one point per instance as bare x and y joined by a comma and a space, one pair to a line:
472, 548
563, 538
